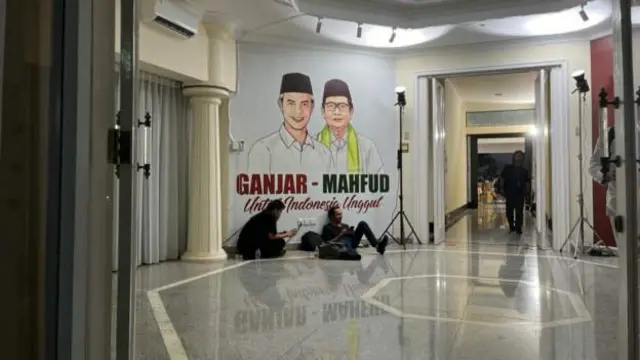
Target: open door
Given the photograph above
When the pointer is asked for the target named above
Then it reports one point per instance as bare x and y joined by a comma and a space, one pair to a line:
439, 164
538, 160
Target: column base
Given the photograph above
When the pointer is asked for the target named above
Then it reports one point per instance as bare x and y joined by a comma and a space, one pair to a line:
204, 256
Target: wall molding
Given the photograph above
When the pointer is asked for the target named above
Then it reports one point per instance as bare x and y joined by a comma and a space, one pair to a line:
283, 42
418, 50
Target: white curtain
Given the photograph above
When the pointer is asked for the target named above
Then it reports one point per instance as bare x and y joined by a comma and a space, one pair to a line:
159, 204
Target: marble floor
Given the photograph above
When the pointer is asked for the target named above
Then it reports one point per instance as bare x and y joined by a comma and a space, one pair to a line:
483, 295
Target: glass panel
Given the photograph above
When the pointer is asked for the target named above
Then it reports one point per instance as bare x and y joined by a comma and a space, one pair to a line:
25, 79
501, 118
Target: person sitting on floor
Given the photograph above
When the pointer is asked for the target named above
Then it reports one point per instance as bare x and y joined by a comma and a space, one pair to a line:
260, 233
336, 230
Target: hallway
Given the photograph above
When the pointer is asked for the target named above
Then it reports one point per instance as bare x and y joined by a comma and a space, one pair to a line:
482, 295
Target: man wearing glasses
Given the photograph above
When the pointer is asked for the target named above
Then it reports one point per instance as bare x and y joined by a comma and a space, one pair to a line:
291, 149
352, 152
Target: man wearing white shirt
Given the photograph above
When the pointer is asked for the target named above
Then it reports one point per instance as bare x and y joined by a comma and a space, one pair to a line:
290, 149
609, 179
352, 152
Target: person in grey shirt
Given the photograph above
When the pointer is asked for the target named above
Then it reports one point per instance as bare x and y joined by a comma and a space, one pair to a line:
352, 152
291, 149
609, 179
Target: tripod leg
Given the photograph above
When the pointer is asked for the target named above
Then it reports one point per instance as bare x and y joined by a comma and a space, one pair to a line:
413, 231
594, 232
573, 228
386, 231
576, 247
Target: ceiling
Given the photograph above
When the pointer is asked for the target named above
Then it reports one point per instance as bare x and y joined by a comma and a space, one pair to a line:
500, 88
418, 23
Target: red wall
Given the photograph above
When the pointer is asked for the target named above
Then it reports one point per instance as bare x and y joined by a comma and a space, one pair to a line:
601, 76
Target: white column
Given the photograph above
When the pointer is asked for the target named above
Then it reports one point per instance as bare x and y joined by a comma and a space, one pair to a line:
204, 240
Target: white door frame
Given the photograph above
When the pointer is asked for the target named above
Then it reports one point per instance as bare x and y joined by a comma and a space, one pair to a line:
559, 132
540, 149
438, 160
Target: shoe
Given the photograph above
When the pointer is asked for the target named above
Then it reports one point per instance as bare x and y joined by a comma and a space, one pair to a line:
519, 231
382, 245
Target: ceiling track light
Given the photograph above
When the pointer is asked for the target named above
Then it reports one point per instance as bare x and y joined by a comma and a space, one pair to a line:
359, 32
583, 14
319, 25
393, 35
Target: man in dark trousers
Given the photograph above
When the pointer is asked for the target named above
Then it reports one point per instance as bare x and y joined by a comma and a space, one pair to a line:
515, 184
261, 233
336, 230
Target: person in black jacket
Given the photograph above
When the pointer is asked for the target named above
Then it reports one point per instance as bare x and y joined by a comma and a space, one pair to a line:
261, 233
516, 184
336, 230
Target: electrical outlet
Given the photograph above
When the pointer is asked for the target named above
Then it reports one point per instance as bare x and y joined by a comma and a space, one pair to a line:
237, 145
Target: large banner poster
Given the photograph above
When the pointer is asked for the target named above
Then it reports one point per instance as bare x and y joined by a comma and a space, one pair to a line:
305, 146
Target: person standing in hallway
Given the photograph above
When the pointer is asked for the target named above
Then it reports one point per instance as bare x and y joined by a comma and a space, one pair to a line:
352, 152
515, 183
291, 149
607, 180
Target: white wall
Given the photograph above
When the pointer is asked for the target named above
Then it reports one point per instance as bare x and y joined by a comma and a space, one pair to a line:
162, 53
456, 148
500, 145
576, 55
255, 113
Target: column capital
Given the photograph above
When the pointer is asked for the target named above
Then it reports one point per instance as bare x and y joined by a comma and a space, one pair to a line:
205, 92
221, 30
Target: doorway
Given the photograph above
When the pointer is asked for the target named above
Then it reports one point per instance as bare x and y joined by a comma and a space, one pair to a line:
488, 154
551, 102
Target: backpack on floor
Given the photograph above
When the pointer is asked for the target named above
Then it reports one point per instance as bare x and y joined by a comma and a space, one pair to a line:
310, 241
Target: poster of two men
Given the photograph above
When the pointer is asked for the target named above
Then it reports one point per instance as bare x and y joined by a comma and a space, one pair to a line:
337, 147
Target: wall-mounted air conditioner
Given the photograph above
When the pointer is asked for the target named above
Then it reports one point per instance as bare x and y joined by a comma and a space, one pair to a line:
170, 16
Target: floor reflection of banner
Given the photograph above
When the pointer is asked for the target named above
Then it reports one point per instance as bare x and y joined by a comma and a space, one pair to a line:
265, 320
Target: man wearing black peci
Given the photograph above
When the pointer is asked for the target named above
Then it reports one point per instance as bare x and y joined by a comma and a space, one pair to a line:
515, 184
261, 233
336, 230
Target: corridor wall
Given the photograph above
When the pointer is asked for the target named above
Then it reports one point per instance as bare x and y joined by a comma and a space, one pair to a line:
456, 149
320, 129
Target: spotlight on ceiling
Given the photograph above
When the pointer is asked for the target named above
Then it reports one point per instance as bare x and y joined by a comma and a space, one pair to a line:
583, 14
359, 32
319, 25
393, 35
582, 85
402, 100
